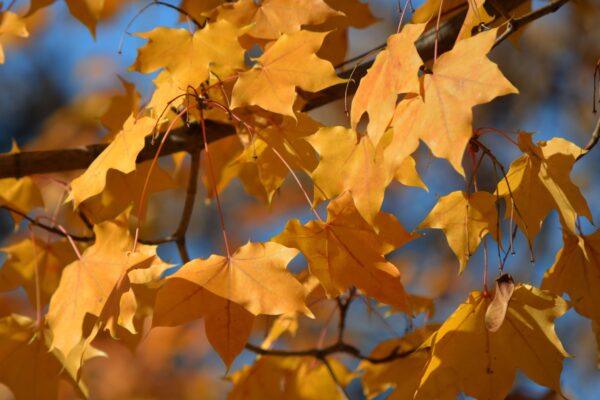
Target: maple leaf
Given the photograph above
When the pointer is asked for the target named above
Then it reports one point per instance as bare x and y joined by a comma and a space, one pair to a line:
29, 367
539, 181
401, 168
228, 325
88, 12
20, 194
465, 219
288, 63
272, 18
120, 155
466, 357
10, 25
346, 251
255, 277
430, 9
200, 10
402, 374
190, 58
442, 116
121, 107
22, 260
289, 322
576, 271
122, 190
355, 14
286, 138
293, 378
365, 174
394, 71
98, 284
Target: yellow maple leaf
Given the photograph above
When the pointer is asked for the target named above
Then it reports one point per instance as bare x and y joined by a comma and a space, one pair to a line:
352, 13
288, 139
123, 190
401, 168
576, 271
402, 374
10, 25
442, 116
21, 194
288, 63
199, 9
30, 368
365, 174
465, 220
395, 71
120, 155
190, 58
227, 324
289, 378
466, 357
99, 284
22, 260
289, 322
539, 181
87, 12
272, 18
346, 251
120, 107
255, 277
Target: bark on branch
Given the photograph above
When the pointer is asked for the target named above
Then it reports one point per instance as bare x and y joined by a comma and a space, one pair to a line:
189, 139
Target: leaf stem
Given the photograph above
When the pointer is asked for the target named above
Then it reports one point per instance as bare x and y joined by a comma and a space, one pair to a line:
143, 196
214, 184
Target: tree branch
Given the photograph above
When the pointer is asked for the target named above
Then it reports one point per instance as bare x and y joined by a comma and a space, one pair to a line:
339, 347
41, 162
187, 139
188, 207
515, 24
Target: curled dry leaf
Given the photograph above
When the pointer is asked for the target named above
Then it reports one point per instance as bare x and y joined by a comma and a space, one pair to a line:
496, 311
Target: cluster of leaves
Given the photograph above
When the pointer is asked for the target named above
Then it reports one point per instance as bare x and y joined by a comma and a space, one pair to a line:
110, 280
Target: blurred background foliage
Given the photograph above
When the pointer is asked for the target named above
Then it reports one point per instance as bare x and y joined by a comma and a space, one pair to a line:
56, 84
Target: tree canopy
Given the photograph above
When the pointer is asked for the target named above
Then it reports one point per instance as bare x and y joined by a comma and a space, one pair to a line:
264, 209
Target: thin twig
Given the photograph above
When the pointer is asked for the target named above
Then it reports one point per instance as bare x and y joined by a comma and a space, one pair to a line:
593, 140
335, 379
46, 227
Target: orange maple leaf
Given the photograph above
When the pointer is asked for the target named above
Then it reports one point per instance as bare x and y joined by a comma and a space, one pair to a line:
28, 365
365, 174
346, 251
465, 219
272, 18
539, 181
101, 279
191, 57
288, 63
576, 271
395, 71
120, 155
255, 277
228, 325
442, 116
